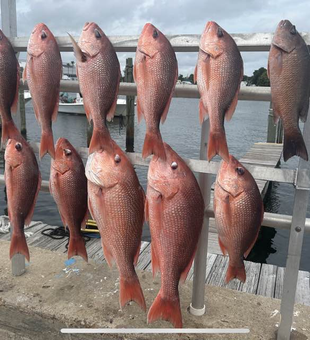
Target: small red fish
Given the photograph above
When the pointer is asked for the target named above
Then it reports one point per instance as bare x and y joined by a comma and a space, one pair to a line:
239, 211
23, 182
43, 72
174, 208
68, 186
155, 73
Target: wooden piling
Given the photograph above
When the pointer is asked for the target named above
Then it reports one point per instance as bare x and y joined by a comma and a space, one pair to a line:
22, 110
130, 107
272, 128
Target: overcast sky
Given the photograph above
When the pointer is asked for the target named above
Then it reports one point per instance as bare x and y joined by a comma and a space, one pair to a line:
121, 17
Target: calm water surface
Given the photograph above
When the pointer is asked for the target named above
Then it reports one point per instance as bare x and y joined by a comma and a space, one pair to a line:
182, 131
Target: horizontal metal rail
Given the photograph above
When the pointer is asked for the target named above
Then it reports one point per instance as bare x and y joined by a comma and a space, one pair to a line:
181, 43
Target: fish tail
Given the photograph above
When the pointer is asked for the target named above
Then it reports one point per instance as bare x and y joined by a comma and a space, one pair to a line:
77, 247
19, 245
47, 144
166, 309
9, 130
217, 145
100, 140
294, 145
153, 144
235, 272
130, 290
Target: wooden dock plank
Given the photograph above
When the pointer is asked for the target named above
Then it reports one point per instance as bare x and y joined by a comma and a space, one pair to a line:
267, 280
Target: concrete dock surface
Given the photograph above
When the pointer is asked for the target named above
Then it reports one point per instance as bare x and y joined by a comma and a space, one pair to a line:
55, 293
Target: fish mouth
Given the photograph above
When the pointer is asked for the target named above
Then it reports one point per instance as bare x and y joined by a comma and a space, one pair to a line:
229, 193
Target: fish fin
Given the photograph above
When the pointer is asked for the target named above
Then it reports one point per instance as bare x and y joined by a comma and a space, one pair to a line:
153, 144
15, 101
90, 208
19, 246
223, 249
235, 272
187, 269
79, 55
25, 73
217, 145
276, 117
9, 130
108, 255
139, 111
77, 247
195, 74
130, 290
203, 112
165, 112
294, 145
55, 112
304, 112
111, 112
146, 210
155, 261
135, 260
36, 111
100, 140
246, 254
30, 213
165, 309
229, 113
47, 144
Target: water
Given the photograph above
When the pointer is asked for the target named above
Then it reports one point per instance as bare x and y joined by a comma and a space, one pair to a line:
182, 131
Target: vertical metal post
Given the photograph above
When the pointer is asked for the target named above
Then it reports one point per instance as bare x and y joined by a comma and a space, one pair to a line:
130, 107
197, 307
271, 129
295, 242
9, 28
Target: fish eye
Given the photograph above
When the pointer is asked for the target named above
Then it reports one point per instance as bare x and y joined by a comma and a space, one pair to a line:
67, 152
117, 158
43, 35
174, 165
293, 30
18, 146
220, 33
155, 34
240, 171
97, 34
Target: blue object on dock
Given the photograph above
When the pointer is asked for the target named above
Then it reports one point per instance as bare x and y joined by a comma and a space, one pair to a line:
70, 262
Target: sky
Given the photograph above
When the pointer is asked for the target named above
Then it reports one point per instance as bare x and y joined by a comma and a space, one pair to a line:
121, 17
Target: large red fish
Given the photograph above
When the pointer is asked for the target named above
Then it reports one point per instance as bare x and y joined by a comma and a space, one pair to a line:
23, 182
218, 73
155, 73
174, 209
43, 73
116, 202
98, 70
68, 185
9, 82
239, 211
289, 70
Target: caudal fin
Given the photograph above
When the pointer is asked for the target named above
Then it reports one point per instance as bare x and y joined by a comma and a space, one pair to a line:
9, 130
217, 145
19, 246
164, 309
153, 144
235, 273
130, 290
100, 140
294, 145
47, 144
77, 247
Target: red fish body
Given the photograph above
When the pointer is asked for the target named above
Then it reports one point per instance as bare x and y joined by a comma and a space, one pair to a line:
98, 71
155, 73
116, 202
43, 73
288, 70
219, 72
23, 181
9, 82
68, 186
239, 211
174, 209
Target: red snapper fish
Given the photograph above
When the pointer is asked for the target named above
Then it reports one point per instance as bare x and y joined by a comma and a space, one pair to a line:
43, 72
174, 208
68, 186
98, 71
288, 71
116, 202
155, 73
218, 73
23, 182
239, 211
